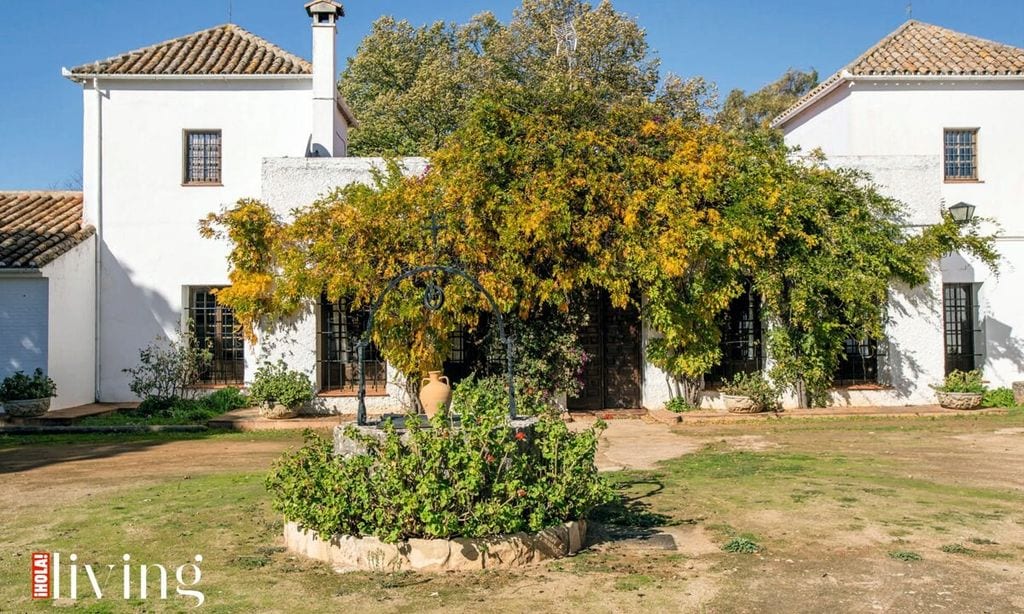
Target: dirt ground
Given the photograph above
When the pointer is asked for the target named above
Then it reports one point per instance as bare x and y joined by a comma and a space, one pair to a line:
66, 472
897, 515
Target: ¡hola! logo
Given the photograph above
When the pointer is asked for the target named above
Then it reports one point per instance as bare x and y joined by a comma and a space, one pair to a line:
47, 577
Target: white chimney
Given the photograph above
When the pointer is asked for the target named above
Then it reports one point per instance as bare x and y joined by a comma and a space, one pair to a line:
330, 129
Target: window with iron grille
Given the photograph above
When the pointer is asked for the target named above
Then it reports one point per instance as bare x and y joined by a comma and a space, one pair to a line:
474, 350
958, 307
859, 363
217, 330
741, 339
338, 354
960, 154
202, 157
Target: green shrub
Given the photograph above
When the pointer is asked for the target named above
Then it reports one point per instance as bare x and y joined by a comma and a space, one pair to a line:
170, 368
21, 387
679, 405
478, 479
741, 545
998, 397
224, 400
492, 391
963, 381
275, 383
755, 385
156, 410
904, 555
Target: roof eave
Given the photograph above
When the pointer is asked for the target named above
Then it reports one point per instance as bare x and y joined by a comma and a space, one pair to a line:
841, 78
346, 112
847, 77
79, 77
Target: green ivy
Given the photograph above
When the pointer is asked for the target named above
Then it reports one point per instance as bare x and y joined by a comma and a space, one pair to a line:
476, 479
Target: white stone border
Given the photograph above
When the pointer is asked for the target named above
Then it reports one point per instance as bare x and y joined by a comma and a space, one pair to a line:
346, 553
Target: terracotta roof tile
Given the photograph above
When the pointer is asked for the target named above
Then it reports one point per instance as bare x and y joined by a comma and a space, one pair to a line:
223, 50
37, 227
917, 48
923, 49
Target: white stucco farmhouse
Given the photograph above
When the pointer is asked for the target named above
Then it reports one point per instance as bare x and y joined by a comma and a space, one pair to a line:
225, 114
935, 116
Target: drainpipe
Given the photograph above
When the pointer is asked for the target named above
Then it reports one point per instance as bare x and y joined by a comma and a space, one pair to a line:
98, 270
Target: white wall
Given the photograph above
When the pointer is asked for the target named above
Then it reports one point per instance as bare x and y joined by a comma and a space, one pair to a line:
23, 326
150, 247
72, 320
290, 183
882, 126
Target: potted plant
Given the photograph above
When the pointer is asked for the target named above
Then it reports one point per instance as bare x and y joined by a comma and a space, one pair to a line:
749, 393
27, 397
961, 390
280, 392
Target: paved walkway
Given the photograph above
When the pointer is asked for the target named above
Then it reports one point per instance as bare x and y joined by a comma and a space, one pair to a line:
68, 415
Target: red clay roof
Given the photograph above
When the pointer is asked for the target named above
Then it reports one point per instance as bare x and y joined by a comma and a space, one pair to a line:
222, 50
37, 227
917, 48
923, 49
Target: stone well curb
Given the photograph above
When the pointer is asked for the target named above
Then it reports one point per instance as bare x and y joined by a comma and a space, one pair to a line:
346, 553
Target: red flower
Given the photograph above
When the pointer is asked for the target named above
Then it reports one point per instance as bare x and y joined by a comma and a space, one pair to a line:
521, 492
520, 436
489, 458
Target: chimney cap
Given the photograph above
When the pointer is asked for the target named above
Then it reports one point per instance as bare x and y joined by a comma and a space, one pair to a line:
325, 6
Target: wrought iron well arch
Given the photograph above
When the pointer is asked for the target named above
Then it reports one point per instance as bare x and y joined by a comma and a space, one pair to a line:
433, 299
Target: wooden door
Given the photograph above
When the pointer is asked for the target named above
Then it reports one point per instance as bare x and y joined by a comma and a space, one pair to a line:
611, 339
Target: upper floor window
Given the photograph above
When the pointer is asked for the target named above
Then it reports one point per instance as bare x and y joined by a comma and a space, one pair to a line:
960, 154
202, 157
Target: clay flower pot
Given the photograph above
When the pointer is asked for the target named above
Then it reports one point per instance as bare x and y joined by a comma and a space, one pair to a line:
435, 393
739, 404
277, 411
959, 400
27, 408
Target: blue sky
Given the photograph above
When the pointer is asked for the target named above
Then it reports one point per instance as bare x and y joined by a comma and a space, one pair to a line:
737, 43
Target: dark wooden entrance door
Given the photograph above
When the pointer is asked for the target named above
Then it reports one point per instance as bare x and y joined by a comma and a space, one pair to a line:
958, 325
611, 339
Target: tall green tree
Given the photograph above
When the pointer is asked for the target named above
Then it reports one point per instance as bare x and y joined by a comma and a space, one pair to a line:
411, 87
749, 111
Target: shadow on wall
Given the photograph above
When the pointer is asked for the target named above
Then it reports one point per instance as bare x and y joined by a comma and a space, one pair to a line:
133, 317
1002, 345
903, 370
23, 325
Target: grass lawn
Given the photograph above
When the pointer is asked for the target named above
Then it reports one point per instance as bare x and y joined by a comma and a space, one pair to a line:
907, 515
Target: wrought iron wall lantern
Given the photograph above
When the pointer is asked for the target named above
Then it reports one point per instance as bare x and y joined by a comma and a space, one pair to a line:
434, 300
962, 212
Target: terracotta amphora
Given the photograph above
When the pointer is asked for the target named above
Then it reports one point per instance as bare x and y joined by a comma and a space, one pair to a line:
435, 392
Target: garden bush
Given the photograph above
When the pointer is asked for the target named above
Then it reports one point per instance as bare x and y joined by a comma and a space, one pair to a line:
170, 368
156, 410
492, 390
275, 383
21, 387
478, 479
963, 381
998, 397
755, 385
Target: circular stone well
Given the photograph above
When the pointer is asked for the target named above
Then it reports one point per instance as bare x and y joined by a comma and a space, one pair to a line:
346, 553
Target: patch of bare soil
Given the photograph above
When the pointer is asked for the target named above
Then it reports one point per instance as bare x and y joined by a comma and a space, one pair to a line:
53, 475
